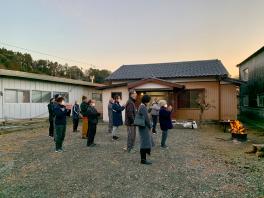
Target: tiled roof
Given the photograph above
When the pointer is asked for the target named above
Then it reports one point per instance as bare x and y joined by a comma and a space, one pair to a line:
201, 68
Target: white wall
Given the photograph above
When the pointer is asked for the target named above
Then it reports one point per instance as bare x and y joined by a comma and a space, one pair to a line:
107, 96
36, 110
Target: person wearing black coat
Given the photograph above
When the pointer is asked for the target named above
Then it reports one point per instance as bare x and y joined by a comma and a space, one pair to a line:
165, 121
60, 112
93, 121
51, 117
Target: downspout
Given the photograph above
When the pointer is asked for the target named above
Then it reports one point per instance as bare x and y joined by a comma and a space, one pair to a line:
219, 101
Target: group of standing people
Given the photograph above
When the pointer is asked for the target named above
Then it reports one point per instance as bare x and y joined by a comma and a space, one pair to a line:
158, 110
58, 120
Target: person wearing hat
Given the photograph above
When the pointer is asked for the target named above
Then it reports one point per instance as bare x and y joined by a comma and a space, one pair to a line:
165, 121
130, 113
60, 112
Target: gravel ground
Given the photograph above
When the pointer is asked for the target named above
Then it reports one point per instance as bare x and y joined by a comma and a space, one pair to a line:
199, 163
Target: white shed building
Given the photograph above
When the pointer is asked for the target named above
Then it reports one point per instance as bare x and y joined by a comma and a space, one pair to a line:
26, 95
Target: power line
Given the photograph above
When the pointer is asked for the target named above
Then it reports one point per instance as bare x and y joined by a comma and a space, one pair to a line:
46, 54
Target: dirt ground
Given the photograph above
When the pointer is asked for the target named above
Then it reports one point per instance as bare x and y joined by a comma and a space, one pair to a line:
199, 163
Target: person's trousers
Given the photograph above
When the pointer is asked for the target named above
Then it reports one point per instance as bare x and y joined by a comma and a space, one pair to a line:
143, 154
84, 127
51, 128
164, 137
75, 124
131, 137
114, 131
154, 121
91, 134
110, 126
59, 136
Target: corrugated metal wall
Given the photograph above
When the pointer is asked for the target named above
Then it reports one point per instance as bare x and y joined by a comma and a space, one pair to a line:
228, 102
36, 110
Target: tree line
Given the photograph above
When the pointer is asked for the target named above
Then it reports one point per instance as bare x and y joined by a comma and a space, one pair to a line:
23, 62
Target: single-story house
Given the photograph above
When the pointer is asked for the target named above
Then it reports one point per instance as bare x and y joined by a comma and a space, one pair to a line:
181, 84
251, 70
26, 95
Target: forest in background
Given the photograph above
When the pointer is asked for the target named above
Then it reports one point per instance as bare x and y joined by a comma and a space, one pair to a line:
23, 62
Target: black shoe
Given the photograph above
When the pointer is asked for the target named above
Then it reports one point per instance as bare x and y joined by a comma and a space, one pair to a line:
146, 162
115, 138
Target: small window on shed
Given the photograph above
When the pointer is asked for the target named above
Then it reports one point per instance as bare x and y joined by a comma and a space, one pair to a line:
97, 96
245, 74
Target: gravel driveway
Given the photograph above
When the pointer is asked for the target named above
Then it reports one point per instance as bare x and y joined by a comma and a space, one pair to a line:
199, 163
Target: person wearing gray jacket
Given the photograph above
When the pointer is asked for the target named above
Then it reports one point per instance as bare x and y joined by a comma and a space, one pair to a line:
146, 141
110, 115
154, 114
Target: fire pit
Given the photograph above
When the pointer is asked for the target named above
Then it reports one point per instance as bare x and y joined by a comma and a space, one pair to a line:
238, 131
239, 137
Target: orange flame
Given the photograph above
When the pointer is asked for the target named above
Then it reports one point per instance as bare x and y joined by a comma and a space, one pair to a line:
237, 127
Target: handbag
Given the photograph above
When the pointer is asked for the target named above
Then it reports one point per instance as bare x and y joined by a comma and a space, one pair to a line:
139, 120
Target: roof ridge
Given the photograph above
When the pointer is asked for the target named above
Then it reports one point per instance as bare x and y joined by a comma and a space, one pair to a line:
171, 62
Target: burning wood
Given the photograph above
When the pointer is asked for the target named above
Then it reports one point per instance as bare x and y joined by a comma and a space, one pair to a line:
237, 127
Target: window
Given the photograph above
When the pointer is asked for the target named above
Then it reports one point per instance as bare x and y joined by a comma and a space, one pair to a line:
261, 100
17, 96
113, 94
97, 96
65, 95
188, 98
245, 101
41, 96
245, 75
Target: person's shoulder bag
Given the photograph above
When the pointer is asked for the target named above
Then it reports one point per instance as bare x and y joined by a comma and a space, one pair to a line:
139, 119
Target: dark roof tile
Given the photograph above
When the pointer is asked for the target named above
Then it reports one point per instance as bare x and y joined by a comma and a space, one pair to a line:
170, 70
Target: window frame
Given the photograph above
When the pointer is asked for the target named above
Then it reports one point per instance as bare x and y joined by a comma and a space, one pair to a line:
96, 98
245, 74
258, 100
189, 108
42, 101
17, 91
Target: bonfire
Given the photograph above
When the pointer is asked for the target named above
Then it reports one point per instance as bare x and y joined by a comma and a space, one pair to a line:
237, 127
238, 131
